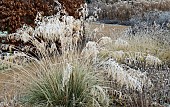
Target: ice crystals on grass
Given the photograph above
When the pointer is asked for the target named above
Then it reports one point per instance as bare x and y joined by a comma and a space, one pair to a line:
67, 74
25, 37
91, 49
120, 43
105, 40
132, 79
152, 60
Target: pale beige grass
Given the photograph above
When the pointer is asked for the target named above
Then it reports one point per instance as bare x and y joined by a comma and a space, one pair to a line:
6, 88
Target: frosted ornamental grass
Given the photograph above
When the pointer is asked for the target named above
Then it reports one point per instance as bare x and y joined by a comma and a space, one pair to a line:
91, 49
121, 44
104, 41
152, 60
131, 78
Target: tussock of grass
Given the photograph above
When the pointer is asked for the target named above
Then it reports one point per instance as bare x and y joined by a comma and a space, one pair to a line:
64, 84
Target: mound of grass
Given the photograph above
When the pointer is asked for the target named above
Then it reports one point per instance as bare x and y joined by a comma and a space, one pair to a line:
66, 85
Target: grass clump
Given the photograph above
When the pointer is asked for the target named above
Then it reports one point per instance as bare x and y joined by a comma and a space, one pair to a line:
64, 84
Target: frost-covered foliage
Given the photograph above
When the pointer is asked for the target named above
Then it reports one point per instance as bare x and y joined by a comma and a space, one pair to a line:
59, 31
132, 65
152, 60
53, 28
104, 41
154, 42
121, 44
131, 78
137, 66
118, 55
120, 11
91, 50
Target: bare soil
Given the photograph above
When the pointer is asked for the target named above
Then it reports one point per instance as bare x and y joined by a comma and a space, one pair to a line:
110, 30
